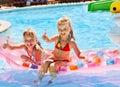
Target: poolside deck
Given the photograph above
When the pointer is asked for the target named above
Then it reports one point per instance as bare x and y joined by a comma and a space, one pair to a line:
6, 4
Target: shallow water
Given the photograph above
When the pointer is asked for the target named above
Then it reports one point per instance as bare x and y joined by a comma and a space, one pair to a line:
25, 78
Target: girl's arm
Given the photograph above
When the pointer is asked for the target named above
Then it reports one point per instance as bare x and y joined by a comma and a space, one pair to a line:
77, 51
47, 39
13, 47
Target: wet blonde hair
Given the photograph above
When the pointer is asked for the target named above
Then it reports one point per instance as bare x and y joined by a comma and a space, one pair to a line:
66, 20
31, 33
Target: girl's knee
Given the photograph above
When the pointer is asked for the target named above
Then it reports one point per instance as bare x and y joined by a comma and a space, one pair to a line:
23, 56
52, 67
46, 62
44, 67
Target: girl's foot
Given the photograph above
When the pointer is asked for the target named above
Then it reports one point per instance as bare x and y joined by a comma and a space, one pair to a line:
49, 82
36, 82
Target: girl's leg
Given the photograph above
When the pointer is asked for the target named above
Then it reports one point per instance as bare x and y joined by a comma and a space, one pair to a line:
43, 69
54, 69
45, 65
53, 72
28, 59
25, 58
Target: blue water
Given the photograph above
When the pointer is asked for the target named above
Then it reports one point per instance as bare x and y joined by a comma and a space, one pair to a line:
90, 30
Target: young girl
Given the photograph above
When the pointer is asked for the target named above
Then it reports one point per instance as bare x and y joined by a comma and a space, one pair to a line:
64, 42
32, 47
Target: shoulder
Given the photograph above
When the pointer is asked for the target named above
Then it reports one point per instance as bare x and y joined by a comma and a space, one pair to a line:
72, 43
38, 48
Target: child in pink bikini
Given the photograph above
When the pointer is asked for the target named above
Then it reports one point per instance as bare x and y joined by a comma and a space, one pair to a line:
32, 47
64, 42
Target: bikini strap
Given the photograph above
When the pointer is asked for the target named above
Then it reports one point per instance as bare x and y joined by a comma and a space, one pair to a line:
59, 44
31, 56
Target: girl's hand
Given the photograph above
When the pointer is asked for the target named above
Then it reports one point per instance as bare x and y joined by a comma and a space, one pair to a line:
81, 56
87, 61
84, 59
27, 59
44, 36
5, 45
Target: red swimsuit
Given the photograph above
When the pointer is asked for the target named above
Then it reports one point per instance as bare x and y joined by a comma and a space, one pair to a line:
66, 47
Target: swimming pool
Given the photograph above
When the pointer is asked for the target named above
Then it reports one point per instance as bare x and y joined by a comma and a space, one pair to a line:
90, 29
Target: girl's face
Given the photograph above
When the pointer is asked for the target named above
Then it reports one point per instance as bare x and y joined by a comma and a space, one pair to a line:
29, 41
64, 30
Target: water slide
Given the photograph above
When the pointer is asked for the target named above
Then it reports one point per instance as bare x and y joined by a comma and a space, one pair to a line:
100, 5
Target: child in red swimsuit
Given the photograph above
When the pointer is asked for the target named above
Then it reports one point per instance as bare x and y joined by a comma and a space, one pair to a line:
64, 42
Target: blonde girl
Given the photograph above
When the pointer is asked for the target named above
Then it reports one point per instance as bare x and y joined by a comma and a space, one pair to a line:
32, 47
64, 42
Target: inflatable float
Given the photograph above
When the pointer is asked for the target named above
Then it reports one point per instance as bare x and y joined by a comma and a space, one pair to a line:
103, 5
114, 33
101, 60
4, 25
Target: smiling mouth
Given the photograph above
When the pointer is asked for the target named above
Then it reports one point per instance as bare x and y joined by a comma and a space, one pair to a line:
29, 45
62, 33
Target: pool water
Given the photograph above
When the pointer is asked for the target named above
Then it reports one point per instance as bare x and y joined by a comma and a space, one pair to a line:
90, 30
